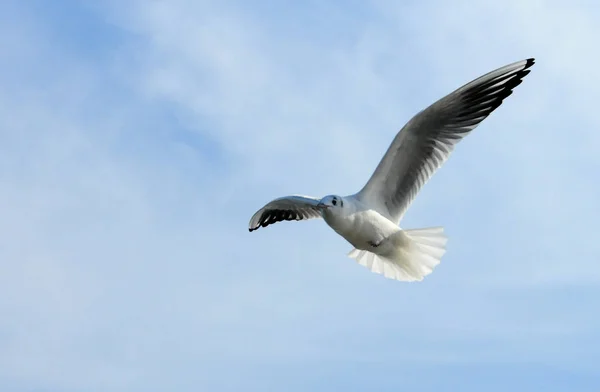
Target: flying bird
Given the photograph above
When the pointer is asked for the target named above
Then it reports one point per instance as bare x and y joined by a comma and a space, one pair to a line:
369, 220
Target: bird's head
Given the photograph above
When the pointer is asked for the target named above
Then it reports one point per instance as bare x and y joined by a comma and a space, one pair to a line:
331, 204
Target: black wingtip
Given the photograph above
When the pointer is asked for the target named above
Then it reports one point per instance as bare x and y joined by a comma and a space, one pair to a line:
530, 62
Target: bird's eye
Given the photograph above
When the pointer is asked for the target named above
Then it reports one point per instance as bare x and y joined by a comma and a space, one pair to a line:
334, 202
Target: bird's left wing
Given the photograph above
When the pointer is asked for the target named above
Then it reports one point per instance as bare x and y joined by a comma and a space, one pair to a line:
295, 207
427, 140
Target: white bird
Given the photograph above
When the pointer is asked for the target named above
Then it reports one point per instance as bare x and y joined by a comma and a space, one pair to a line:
369, 219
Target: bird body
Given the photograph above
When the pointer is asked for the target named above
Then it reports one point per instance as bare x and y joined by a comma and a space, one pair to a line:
379, 243
359, 224
369, 219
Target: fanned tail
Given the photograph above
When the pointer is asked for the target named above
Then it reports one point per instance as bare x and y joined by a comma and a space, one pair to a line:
414, 254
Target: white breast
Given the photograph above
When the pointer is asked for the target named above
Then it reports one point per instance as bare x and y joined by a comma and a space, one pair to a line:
362, 227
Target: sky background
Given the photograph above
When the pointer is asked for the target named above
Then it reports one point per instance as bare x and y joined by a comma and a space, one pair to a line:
137, 139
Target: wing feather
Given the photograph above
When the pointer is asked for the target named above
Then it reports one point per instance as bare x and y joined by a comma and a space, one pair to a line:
288, 208
428, 139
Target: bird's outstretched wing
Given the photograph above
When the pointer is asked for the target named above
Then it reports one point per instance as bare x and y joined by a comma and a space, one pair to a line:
295, 207
427, 140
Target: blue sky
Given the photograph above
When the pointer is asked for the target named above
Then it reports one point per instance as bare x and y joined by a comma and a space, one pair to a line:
137, 139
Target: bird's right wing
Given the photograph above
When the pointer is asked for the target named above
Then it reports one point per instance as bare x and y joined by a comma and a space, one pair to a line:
295, 207
427, 140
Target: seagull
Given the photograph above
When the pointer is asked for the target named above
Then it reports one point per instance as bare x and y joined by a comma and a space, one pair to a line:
369, 220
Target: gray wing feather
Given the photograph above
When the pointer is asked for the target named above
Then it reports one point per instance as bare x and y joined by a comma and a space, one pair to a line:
295, 207
428, 139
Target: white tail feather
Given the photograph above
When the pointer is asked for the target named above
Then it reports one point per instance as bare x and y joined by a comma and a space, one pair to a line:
413, 254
